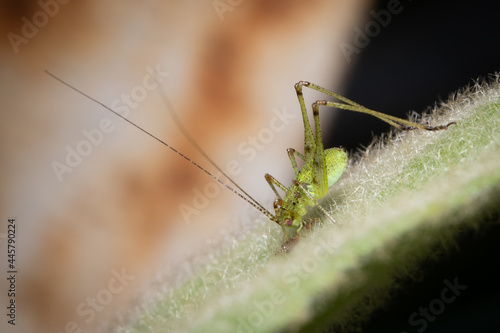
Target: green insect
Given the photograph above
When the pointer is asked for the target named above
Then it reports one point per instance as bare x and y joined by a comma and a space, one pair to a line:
321, 170
322, 167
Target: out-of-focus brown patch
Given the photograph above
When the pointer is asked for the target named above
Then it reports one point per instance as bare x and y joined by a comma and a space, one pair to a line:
127, 215
48, 293
12, 11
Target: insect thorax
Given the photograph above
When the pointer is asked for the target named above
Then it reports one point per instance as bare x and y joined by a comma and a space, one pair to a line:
295, 202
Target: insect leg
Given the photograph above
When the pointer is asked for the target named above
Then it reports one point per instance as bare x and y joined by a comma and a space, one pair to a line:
313, 148
349, 105
319, 175
273, 183
308, 135
292, 153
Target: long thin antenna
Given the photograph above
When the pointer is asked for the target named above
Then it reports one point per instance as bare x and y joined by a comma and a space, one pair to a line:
257, 206
188, 136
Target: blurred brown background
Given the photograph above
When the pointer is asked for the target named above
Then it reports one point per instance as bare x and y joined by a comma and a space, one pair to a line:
80, 221
228, 69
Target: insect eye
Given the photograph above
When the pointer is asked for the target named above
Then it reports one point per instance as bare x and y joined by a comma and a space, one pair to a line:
288, 221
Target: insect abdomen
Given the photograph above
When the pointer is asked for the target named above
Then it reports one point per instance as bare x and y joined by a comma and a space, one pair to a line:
336, 160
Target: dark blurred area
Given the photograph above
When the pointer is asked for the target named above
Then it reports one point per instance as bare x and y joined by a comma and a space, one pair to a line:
427, 52
471, 266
